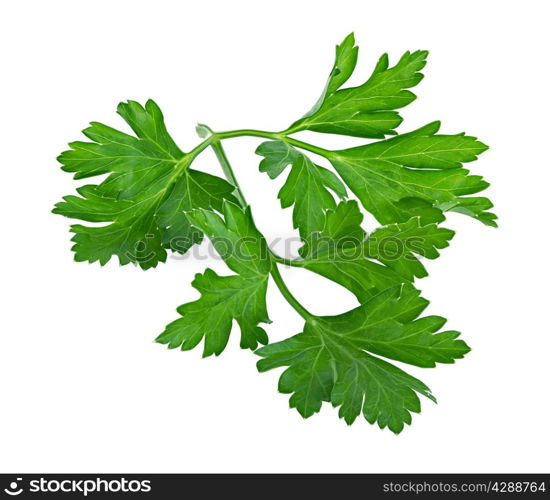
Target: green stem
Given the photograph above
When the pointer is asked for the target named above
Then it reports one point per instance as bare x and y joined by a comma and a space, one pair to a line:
307, 146
215, 138
275, 136
198, 149
230, 176
287, 294
286, 262
227, 170
250, 133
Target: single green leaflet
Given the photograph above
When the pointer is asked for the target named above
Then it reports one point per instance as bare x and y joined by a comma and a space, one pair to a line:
223, 299
148, 189
332, 359
367, 265
240, 297
235, 238
369, 109
398, 245
419, 164
307, 186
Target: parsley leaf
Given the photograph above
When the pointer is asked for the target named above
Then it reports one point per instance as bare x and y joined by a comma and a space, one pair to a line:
419, 164
223, 299
148, 189
368, 265
341, 230
236, 239
330, 360
366, 110
397, 245
307, 186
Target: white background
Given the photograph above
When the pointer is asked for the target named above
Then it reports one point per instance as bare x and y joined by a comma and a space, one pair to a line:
83, 386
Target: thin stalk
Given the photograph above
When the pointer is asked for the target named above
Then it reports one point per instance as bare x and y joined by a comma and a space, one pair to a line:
307, 146
276, 136
198, 149
286, 262
287, 294
250, 133
230, 176
227, 170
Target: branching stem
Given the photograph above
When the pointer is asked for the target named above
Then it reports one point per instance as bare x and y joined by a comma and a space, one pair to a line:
214, 141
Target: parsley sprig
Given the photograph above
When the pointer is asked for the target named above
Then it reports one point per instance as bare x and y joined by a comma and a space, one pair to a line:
151, 202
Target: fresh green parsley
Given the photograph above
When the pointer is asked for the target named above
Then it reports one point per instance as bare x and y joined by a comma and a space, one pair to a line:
150, 202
